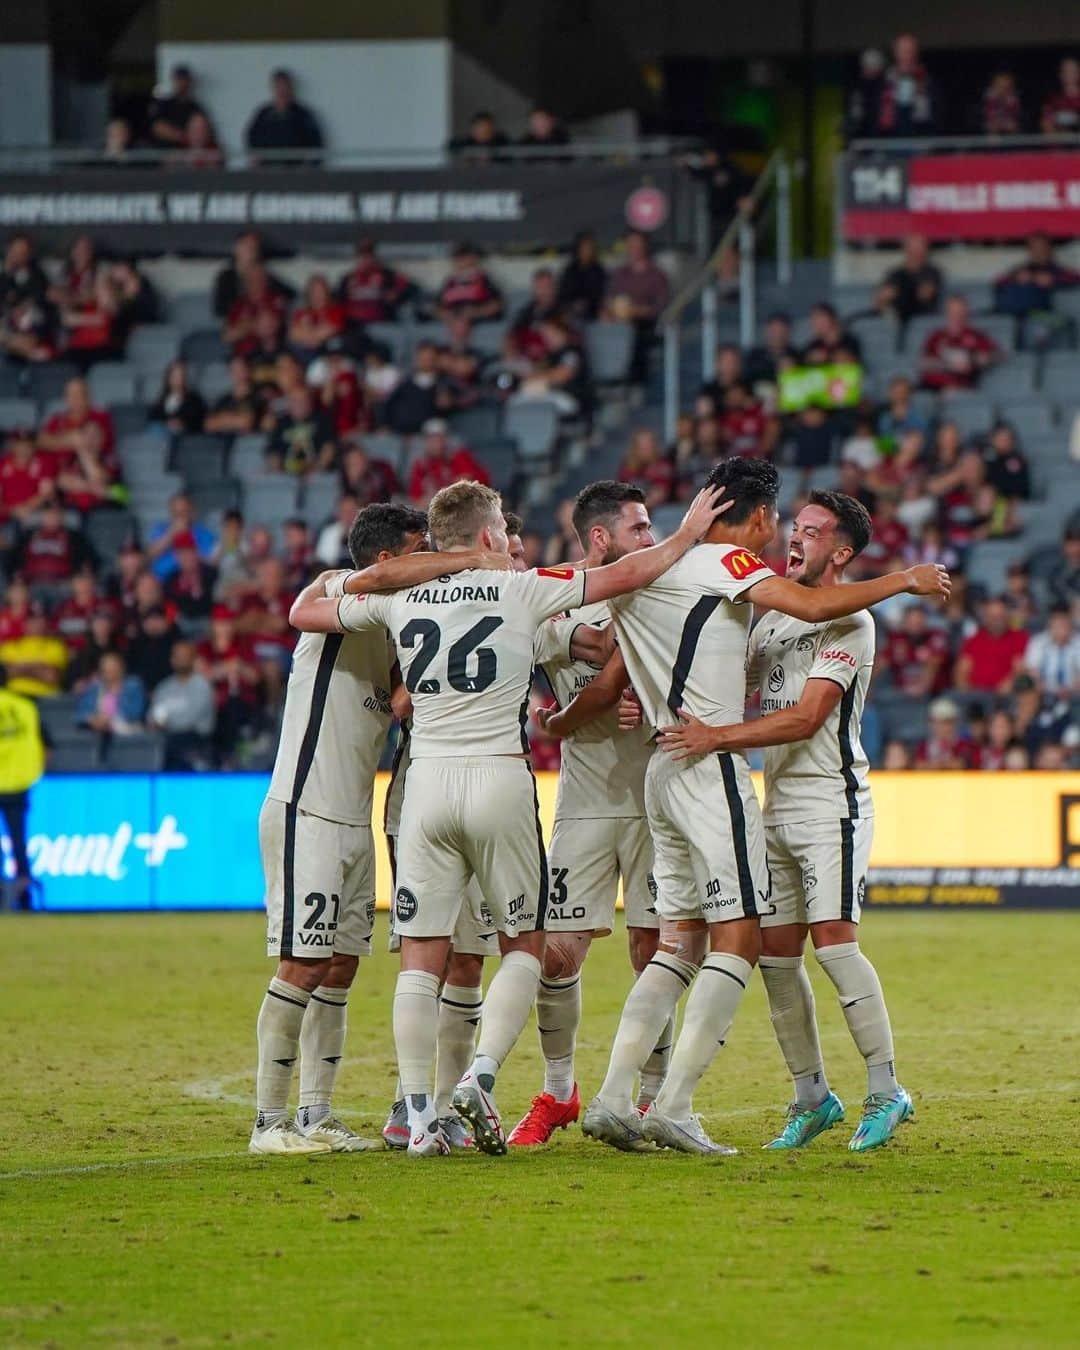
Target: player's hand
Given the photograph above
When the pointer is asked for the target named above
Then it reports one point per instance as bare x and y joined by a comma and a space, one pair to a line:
629, 711
706, 508
333, 583
929, 579
691, 737
544, 720
482, 559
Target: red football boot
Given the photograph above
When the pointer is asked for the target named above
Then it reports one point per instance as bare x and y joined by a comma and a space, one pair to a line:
544, 1117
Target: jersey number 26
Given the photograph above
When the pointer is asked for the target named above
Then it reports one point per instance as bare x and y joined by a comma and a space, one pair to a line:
428, 634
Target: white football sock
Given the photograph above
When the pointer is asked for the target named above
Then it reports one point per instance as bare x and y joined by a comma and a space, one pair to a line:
710, 1010
459, 1016
648, 1007
863, 1006
322, 1043
416, 1022
654, 1070
510, 998
794, 1019
278, 1035
558, 1013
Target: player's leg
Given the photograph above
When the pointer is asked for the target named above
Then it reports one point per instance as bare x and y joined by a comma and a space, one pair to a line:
431, 878
635, 854
506, 851
322, 1035
835, 935
460, 1006
788, 988
288, 844
612, 1116
727, 850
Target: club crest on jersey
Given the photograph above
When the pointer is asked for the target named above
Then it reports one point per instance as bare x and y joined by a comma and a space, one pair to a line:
741, 563
559, 573
776, 679
405, 905
806, 643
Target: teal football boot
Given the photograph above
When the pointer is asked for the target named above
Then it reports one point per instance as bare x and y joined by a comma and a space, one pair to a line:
807, 1122
881, 1118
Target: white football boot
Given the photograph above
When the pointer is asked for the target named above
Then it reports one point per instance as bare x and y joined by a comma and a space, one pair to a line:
283, 1137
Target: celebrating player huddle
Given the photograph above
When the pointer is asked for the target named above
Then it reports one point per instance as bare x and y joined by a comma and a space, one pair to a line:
654, 792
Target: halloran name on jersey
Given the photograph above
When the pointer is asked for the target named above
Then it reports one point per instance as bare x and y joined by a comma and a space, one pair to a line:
424, 595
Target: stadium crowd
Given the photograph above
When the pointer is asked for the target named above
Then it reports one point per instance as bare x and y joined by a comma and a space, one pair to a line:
172, 618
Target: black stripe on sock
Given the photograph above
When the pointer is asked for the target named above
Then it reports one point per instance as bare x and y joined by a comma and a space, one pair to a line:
671, 970
847, 754
546, 984
847, 869
330, 1003
747, 893
684, 657
722, 970
272, 993
469, 1007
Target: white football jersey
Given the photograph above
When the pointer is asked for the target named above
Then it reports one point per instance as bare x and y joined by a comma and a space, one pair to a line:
824, 777
465, 647
602, 773
333, 729
684, 637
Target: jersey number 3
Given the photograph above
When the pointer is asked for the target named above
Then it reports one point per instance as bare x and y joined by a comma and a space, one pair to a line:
428, 634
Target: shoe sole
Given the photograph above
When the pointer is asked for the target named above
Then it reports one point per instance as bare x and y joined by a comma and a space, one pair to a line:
678, 1142
471, 1109
603, 1133
397, 1142
358, 1146
257, 1152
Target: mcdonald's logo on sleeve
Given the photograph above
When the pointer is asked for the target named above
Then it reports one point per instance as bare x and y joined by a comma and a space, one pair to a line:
742, 563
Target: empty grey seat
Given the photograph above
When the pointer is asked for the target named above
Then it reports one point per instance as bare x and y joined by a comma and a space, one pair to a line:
499, 456
487, 338
1031, 418
1014, 378
74, 756
144, 457
534, 424
47, 382
128, 418
609, 347
199, 459
203, 347
191, 310
112, 382
58, 716
213, 381
979, 295
386, 445
150, 349
989, 560
270, 500
108, 531
134, 754
213, 498
473, 424
1059, 377
320, 498
394, 337
247, 458
17, 412
853, 298
972, 413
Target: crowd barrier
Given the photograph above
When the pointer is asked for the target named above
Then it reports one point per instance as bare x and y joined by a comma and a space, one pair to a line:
189, 842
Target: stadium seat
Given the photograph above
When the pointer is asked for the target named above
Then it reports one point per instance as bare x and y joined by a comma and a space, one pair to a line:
990, 559
853, 299
213, 381
199, 459
191, 311
47, 382
1000, 327
141, 753
58, 716
320, 498
1059, 377
474, 424
129, 418
213, 498
609, 347
1014, 378
247, 459
972, 413
74, 756
144, 457
386, 445
17, 412
108, 531
112, 382
13, 379
203, 347
487, 338
534, 424
1030, 418
150, 349
979, 295
499, 456
270, 499
393, 336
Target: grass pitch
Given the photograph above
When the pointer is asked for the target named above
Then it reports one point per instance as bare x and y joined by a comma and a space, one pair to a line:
131, 1216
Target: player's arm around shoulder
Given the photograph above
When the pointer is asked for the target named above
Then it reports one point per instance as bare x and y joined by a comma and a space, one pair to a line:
597, 698
817, 604
313, 611
797, 723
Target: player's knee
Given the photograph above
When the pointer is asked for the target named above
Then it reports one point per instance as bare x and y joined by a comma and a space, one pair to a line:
787, 939
465, 970
833, 933
739, 937
687, 940
302, 974
565, 954
342, 971
643, 943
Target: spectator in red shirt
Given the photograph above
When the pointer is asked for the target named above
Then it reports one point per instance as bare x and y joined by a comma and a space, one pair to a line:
89, 325
297, 553
955, 355
1061, 111
75, 284
74, 615
888, 540
745, 426
227, 661
638, 291
16, 606
543, 303
1001, 110
994, 653
440, 463
647, 466
27, 477
317, 321
916, 656
264, 620
190, 589
51, 554
1000, 739
468, 290
259, 297
946, 747
229, 283
372, 291
80, 425
339, 392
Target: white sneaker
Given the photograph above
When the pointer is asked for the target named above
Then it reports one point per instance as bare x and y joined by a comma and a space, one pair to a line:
427, 1140
458, 1134
688, 1136
284, 1137
338, 1135
621, 1131
476, 1104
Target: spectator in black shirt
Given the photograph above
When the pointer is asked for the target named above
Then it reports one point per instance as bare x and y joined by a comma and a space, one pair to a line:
302, 441
415, 399
137, 301
862, 113
1006, 465
907, 105
829, 341
914, 287
483, 143
22, 277
1063, 579
238, 412
543, 304
179, 407
584, 281
765, 362
544, 131
284, 124
229, 282
169, 114
1031, 284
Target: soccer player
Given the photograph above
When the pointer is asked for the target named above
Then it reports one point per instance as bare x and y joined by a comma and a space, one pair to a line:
682, 643
819, 822
315, 839
465, 646
601, 834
